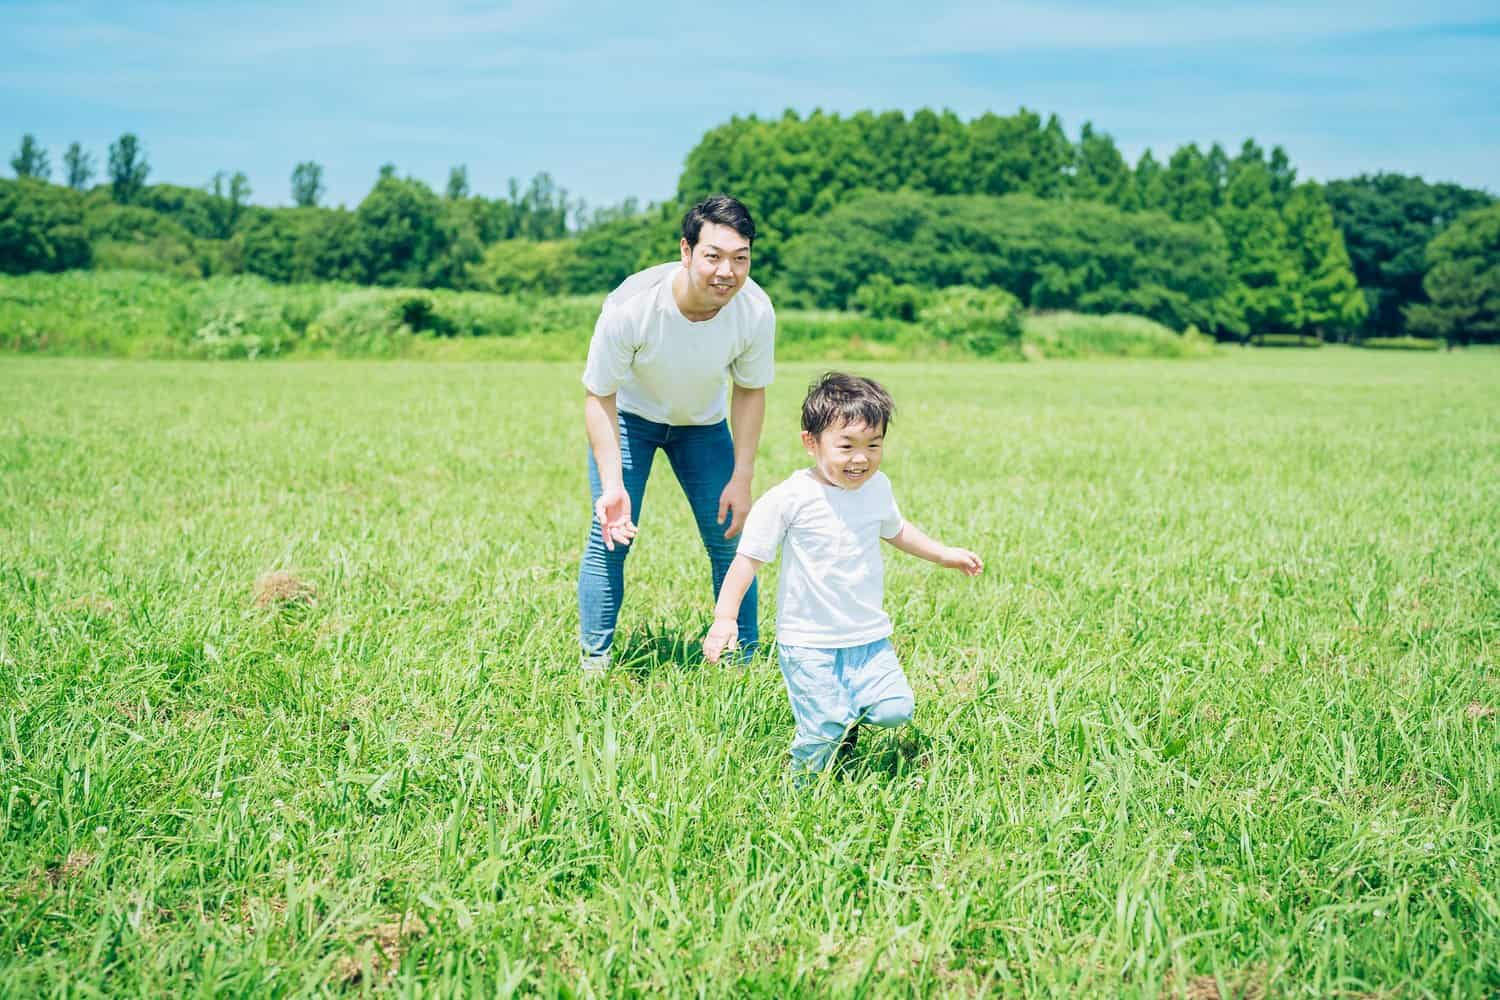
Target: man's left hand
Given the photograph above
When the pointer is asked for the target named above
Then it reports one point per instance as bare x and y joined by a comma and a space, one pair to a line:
735, 501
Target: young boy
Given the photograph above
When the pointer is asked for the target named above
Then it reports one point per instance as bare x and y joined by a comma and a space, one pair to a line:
833, 638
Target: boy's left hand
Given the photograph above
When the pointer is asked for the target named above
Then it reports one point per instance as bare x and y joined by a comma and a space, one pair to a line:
966, 562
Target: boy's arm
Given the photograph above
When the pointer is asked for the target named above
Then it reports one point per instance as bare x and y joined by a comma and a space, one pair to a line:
725, 628
912, 540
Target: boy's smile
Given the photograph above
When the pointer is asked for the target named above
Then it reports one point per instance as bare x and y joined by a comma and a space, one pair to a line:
845, 455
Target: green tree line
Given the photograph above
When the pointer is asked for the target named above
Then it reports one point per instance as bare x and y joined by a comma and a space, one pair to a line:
1233, 244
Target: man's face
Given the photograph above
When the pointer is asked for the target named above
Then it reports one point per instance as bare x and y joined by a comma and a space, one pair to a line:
846, 455
718, 266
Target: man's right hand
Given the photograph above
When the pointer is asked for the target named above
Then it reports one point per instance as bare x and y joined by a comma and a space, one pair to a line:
613, 511
721, 635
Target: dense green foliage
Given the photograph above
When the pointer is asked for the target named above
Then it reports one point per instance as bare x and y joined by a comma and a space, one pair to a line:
1287, 268
1188, 735
1387, 221
1051, 255
1463, 281
41, 229
128, 314
1230, 243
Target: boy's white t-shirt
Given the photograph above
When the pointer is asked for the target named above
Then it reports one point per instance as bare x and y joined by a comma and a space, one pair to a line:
832, 576
666, 368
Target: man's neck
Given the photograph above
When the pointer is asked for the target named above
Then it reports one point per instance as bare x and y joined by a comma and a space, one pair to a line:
693, 312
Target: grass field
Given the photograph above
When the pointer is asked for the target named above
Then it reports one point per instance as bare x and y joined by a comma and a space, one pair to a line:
1219, 718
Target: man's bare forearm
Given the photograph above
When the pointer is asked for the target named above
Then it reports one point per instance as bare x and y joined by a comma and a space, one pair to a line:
601, 420
747, 415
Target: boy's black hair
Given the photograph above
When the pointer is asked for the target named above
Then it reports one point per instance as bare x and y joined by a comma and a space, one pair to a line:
836, 399
724, 210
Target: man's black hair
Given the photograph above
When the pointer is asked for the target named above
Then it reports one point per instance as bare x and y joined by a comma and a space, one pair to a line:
724, 210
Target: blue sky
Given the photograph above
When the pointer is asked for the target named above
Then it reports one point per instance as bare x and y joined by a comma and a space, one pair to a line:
609, 98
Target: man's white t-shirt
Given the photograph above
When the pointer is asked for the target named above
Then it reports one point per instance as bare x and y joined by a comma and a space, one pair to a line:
832, 575
669, 369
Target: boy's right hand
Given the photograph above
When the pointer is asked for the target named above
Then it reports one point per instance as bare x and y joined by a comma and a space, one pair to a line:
721, 636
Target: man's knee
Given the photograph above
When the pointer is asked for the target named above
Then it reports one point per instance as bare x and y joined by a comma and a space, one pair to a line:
890, 712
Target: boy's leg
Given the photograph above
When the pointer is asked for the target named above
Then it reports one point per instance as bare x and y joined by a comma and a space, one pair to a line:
601, 573
877, 686
703, 460
820, 705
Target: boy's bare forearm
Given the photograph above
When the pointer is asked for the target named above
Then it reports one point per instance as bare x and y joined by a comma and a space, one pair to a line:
736, 582
914, 541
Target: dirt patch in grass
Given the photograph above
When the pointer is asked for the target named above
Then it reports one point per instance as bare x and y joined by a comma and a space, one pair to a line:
1247, 985
99, 607
70, 868
377, 956
1476, 710
280, 588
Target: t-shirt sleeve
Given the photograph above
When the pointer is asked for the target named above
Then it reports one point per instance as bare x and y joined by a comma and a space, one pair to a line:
890, 515
755, 367
766, 526
611, 354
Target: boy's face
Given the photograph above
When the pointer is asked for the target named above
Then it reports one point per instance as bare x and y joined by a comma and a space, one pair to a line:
846, 455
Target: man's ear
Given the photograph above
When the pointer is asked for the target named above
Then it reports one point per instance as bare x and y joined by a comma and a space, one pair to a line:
687, 252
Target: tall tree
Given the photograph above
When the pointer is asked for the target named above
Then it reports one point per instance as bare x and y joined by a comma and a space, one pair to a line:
307, 184
398, 232
228, 202
1331, 303
1463, 281
80, 167
458, 183
1099, 171
1190, 187
31, 159
128, 168
1387, 221
1148, 186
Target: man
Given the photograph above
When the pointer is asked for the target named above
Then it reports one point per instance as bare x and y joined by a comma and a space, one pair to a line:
666, 342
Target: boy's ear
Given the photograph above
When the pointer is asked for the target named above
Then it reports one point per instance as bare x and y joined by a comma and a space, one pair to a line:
809, 442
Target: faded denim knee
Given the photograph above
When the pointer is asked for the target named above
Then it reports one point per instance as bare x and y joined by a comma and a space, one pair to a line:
890, 712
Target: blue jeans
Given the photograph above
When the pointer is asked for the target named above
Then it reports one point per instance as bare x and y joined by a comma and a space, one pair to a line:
833, 690
703, 460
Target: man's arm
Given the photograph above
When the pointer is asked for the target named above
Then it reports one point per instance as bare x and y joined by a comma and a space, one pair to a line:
725, 629
601, 419
747, 415
911, 540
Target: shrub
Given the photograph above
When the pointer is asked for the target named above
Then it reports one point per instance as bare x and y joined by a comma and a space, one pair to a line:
1401, 344
1285, 340
1075, 335
882, 298
983, 321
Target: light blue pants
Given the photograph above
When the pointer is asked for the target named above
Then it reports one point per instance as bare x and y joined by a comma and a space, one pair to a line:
833, 690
